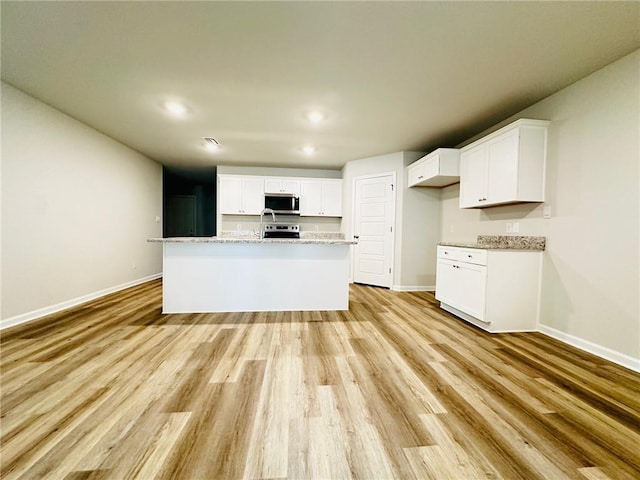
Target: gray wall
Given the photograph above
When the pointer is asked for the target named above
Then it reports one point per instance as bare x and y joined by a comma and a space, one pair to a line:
77, 209
279, 172
417, 220
591, 271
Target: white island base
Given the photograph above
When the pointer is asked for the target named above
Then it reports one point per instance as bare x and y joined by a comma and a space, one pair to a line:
255, 277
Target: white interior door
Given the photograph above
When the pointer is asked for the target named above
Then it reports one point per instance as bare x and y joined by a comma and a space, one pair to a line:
374, 203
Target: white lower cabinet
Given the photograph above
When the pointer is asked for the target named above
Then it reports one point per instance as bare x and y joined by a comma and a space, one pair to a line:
497, 290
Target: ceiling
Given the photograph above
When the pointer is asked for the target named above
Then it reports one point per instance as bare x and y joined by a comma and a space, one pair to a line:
388, 76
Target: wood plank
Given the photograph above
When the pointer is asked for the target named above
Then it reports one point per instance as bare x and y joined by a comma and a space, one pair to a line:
392, 388
217, 437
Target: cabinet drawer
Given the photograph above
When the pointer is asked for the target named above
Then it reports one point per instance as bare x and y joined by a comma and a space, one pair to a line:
451, 253
473, 255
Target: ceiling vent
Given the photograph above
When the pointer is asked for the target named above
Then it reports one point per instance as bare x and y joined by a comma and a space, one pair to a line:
211, 143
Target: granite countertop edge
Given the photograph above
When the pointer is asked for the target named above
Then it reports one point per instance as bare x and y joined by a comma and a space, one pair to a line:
494, 247
291, 241
503, 242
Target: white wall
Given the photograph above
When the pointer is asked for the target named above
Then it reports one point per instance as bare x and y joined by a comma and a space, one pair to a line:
279, 172
591, 271
77, 209
417, 221
421, 225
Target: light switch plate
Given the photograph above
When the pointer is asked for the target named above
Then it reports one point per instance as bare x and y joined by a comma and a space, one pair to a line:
546, 212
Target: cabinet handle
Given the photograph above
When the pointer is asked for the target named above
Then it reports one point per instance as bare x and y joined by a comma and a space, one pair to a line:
420, 177
470, 256
482, 199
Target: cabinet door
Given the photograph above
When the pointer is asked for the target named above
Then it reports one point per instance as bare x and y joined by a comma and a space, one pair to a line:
502, 158
311, 198
290, 186
272, 185
332, 198
431, 167
252, 196
473, 177
472, 285
447, 287
414, 174
281, 185
230, 195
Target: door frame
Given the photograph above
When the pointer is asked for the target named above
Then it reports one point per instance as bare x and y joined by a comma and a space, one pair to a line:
393, 220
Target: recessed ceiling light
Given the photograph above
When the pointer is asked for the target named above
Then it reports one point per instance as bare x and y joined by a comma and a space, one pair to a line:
315, 117
308, 149
176, 109
211, 144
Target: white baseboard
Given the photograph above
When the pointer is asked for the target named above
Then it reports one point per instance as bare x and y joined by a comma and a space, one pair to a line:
598, 350
413, 288
29, 316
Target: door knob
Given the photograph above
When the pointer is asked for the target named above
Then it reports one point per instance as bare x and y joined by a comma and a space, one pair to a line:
356, 236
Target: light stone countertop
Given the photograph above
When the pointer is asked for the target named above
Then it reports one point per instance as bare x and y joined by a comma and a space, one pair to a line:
503, 242
292, 241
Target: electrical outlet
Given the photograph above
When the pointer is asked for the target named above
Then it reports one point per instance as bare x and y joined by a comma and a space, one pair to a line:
157, 218
509, 228
516, 227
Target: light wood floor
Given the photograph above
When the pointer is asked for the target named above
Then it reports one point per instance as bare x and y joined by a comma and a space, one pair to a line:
393, 388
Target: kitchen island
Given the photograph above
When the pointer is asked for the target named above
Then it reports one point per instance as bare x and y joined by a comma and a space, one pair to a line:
227, 274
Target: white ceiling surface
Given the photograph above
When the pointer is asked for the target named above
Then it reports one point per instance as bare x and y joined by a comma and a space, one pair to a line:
390, 76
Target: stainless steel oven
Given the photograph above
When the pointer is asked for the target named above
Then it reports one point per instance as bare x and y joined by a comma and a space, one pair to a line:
281, 230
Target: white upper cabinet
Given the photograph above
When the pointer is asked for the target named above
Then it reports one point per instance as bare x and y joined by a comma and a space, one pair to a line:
332, 198
321, 198
507, 166
282, 185
244, 194
438, 169
241, 194
311, 198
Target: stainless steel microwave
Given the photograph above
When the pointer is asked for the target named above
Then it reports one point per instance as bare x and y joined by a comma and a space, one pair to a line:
283, 203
